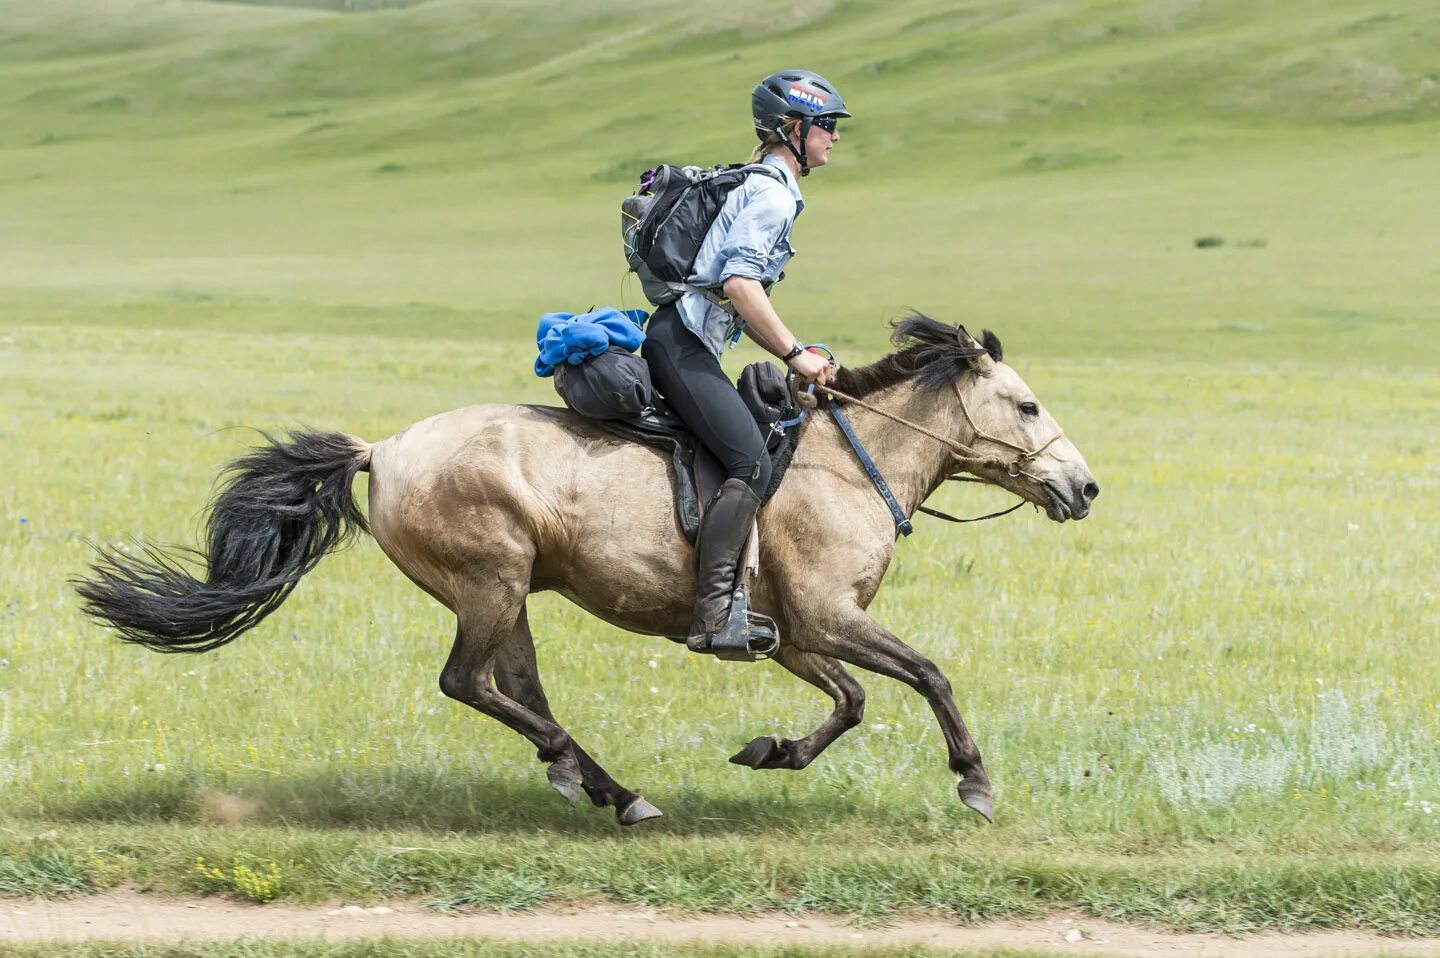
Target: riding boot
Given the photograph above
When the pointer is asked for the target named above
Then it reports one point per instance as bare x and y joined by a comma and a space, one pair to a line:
723, 533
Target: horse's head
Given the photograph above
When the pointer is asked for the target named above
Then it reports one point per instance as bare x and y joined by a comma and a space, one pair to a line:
997, 430
1017, 444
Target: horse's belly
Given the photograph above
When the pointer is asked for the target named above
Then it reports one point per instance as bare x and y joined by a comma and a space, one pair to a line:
629, 565
644, 613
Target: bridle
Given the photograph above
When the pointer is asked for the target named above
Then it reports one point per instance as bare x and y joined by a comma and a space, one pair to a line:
967, 458
1014, 469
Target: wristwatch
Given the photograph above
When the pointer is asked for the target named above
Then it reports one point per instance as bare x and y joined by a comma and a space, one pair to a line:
795, 350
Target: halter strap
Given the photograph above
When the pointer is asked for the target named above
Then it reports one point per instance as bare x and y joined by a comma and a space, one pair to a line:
1013, 469
949, 518
966, 457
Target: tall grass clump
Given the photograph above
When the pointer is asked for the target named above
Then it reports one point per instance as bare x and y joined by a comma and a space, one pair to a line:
43, 873
1343, 746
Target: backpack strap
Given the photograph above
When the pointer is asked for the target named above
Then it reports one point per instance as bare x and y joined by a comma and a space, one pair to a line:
765, 168
711, 294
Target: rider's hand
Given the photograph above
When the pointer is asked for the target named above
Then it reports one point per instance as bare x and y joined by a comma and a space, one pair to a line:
812, 367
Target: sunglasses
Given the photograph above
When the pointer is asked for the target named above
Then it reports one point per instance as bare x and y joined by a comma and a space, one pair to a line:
826, 123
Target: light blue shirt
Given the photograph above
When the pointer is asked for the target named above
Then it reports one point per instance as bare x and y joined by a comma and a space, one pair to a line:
750, 237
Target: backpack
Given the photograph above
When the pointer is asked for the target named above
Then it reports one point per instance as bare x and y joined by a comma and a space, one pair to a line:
664, 222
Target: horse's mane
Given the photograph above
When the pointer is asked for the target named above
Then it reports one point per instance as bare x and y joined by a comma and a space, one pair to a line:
932, 354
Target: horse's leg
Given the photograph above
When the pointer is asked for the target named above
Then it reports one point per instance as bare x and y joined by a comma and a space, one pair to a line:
831, 678
487, 619
518, 676
856, 638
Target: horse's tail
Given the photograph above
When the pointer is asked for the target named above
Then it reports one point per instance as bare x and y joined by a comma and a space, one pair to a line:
280, 508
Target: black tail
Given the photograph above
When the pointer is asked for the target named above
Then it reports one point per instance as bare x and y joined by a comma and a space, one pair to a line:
280, 509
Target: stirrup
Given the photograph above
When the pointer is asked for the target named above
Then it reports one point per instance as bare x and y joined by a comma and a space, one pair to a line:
747, 636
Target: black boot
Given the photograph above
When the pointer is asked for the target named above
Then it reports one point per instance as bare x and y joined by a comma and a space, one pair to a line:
723, 533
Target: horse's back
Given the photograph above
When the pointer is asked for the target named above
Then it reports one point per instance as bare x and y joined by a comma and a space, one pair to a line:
496, 453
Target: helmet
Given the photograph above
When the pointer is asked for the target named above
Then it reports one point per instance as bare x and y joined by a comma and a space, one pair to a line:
793, 93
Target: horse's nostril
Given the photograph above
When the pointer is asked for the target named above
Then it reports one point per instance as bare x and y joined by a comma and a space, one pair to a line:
1090, 491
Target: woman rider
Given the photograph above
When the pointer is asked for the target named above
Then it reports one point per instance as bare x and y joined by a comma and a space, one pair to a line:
741, 257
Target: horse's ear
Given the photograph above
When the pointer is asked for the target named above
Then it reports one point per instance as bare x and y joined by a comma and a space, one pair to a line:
985, 358
993, 347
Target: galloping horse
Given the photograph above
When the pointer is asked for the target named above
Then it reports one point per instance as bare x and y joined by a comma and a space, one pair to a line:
485, 505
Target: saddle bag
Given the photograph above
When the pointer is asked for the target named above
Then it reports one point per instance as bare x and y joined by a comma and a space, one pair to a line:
765, 393
614, 385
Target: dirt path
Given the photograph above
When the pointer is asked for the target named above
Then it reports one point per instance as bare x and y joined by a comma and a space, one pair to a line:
125, 916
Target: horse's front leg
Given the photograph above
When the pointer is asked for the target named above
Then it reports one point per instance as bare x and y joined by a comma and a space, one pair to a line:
852, 636
831, 678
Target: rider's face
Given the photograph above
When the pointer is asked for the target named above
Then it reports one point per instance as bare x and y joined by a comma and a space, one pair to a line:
817, 145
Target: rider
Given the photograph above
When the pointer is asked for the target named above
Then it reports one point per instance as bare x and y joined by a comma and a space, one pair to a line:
741, 257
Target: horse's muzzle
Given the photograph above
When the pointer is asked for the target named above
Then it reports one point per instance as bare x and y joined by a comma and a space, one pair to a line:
1072, 499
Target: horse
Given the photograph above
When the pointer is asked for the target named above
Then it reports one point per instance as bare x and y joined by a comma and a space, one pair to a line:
482, 506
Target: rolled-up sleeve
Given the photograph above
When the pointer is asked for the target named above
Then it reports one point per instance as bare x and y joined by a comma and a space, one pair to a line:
754, 238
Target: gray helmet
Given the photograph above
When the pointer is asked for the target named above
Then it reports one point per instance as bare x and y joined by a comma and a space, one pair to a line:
794, 93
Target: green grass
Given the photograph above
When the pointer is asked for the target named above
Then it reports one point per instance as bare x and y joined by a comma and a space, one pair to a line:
977, 877
1212, 704
43, 873
390, 948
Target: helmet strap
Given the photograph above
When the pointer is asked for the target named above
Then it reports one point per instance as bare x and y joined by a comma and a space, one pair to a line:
800, 153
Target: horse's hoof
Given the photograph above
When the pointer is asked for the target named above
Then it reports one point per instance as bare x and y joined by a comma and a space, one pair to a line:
977, 798
637, 811
564, 777
760, 752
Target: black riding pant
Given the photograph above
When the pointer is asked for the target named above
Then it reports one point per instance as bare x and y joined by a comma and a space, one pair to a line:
692, 382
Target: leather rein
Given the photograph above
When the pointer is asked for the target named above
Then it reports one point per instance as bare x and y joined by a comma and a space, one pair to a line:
966, 457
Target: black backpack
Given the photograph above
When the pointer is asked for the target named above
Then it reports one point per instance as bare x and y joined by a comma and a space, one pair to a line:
666, 219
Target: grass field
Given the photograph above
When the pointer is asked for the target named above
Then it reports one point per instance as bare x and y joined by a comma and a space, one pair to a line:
469, 949
1212, 704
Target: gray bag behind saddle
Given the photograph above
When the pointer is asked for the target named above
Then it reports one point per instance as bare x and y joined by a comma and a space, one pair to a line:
614, 385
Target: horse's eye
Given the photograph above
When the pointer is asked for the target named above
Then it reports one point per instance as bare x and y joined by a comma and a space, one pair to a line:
1029, 409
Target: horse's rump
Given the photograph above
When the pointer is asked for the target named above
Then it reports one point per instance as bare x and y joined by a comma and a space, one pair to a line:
502, 487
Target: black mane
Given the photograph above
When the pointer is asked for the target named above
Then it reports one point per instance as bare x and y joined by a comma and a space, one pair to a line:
931, 354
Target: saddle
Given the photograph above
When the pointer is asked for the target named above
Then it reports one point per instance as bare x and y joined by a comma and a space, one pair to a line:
698, 474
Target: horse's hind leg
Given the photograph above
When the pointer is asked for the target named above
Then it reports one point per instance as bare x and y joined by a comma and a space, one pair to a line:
487, 620
831, 678
518, 676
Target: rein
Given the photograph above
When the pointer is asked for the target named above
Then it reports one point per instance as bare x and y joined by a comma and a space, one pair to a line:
966, 457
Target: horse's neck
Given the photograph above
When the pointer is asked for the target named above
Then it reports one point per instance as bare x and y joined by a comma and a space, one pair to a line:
913, 464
